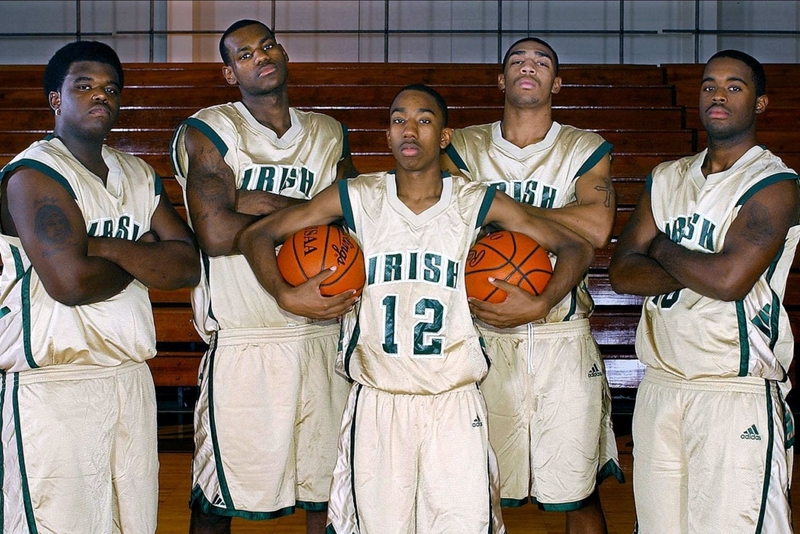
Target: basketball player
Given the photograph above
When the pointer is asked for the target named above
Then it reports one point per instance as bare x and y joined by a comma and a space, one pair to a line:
414, 455
553, 443
710, 246
85, 231
260, 450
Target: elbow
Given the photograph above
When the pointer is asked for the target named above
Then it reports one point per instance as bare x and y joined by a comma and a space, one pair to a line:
68, 294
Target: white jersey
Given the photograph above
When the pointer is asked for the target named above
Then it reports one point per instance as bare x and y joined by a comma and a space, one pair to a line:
299, 164
542, 174
36, 330
692, 336
412, 331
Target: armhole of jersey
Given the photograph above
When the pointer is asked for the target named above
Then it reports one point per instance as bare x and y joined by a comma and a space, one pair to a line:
347, 208
158, 187
42, 168
769, 180
648, 183
488, 198
177, 137
455, 158
596, 156
209, 132
345, 143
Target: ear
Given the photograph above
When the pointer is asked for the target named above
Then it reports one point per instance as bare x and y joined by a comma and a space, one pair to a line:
285, 55
55, 100
556, 85
229, 75
761, 104
447, 134
388, 139
501, 82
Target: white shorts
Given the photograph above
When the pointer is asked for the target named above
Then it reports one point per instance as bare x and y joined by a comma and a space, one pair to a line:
80, 452
415, 464
267, 421
711, 456
549, 414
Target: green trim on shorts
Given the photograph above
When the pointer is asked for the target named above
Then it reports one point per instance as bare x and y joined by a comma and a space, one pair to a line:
330, 530
208, 508
567, 506
310, 506
768, 460
513, 503
610, 469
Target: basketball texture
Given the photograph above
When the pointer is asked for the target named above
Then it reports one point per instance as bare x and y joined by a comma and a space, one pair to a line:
316, 248
509, 256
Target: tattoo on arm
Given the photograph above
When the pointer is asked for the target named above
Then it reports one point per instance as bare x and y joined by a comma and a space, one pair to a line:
209, 187
759, 229
608, 190
52, 227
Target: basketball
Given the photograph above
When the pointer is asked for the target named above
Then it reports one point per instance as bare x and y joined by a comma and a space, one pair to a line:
509, 256
316, 248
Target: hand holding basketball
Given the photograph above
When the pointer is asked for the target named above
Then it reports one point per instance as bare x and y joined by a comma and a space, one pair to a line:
312, 250
508, 256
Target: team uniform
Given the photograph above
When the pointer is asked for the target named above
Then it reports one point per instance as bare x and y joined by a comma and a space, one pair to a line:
710, 425
414, 454
79, 449
267, 417
553, 443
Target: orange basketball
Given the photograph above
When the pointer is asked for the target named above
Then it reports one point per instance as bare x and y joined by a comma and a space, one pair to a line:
316, 248
509, 256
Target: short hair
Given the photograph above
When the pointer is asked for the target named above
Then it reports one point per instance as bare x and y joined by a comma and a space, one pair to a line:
532, 40
756, 68
57, 67
422, 88
223, 50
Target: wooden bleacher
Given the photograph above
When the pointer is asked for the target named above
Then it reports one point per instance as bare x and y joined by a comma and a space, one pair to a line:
649, 113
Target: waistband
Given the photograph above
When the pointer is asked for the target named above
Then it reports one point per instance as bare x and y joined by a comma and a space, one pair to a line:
237, 336
54, 373
743, 384
577, 327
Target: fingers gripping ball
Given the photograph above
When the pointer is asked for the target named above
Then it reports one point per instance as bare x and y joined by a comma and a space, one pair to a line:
509, 256
316, 248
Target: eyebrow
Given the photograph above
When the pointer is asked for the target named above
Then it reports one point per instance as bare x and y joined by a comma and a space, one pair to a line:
402, 110
728, 79
79, 79
539, 53
261, 42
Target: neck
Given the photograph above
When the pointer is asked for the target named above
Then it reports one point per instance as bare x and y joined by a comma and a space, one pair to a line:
419, 190
525, 126
89, 151
723, 154
271, 110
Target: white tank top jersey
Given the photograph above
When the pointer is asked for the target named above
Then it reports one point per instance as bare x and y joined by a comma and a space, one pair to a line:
412, 332
692, 336
299, 164
38, 331
542, 174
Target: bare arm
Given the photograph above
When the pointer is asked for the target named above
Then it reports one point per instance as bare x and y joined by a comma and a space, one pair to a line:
593, 213
258, 241
751, 244
575, 254
632, 270
168, 260
217, 212
52, 230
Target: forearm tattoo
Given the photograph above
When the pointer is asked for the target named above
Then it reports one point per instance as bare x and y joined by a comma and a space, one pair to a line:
208, 185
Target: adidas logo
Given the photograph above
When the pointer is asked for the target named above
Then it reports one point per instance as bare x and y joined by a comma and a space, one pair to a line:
595, 371
218, 501
477, 422
751, 433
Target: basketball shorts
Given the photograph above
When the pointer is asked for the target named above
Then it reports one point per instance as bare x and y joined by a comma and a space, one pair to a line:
267, 421
711, 456
549, 414
414, 464
80, 452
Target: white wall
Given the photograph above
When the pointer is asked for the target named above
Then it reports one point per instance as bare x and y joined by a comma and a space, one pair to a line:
554, 20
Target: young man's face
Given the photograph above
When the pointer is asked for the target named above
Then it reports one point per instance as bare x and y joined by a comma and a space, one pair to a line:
529, 75
728, 102
89, 98
258, 63
416, 132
